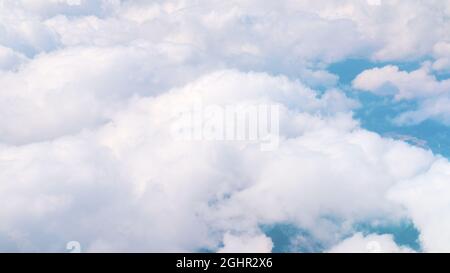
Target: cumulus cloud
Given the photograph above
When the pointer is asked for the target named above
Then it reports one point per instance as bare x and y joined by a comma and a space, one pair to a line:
9, 59
426, 198
66, 91
24, 32
247, 33
180, 195
91, 91
441, 52
419, 85
403, 85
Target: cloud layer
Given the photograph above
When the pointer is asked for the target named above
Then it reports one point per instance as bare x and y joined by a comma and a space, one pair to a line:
90, 92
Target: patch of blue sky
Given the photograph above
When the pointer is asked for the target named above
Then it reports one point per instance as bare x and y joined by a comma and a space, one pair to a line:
288, 238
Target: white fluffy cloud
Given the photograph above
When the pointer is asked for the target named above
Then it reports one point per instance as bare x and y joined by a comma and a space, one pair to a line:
87, 101
129, 185
391, 80
248, 33
441, 53
433, 95
426, 198
9, 59
244, 32
66, 91
404, 85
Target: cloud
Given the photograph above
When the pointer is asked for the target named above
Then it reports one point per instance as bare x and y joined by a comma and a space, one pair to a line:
426, 201
128, 185
70, 90
441, 53
9, 59
91, 90
25, 32
246, 244
49, 8
247, 33
419, 85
